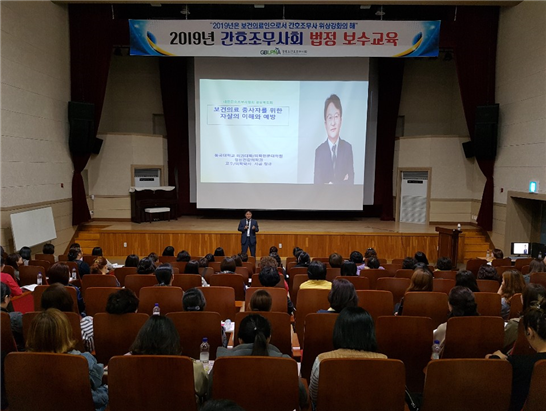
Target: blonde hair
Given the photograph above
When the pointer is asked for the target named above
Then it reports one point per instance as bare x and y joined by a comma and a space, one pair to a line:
513, 283
50, 331
421, 280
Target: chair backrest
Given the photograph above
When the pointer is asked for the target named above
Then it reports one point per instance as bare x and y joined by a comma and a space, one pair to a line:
168, 298
383, 378
448, 275
332, 273
498, 262
98, 280
135, 282
297, 280
473, 337
442, 285
397, 286
537, 394
376, 302
9, 270
256, 281
474, 265
391, 269
181, 265
40, 263
220, 300
96, 299
281, 336
427, 304
7, 341
232, 373
123, 272
90, 259
408, 339
29, 273
297, 270
167, 259
73, 318
215, 265
250, 267
277, 294
235, 281
309, 301
318, 338
47, 257
245, 272
488, 286
360, 283
489, 304
193, 327
147, 382
522, 346
520, 262
63, 257
516, 306
404, 273
39, 290
451, 385
47, 382
115, 333
373, 274
187, 281
71, 266
538, 278
290, 260
398, 261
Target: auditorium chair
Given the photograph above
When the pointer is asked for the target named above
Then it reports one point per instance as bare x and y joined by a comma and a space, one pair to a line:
123, 272
488, 286
317, 338
278, 296
397, 286
244, 272
376, 302
373, 274
427, 304
251, 260
297, 270
516, 306
397, 261
187, 281
270, 383
473, 337
391, 269
41, 263
332, 273
323, 260
166, 259
503, 269
151, 382
98, 280
8, 269
537, 394
525, 269
256, 281
235, 281
501, 262
96, 299
360, 283
382, 261
442, 285
538, 278
290, 260
290, 265
404, 273
281, 329
448, 275
408, 339
7, 342
115, 333
39, 290
168, 298
73, 318
47, 382
62, 258
220, 300
297, 280
135, 282
72, 265
474, 265
250, 267
47, 257
488, 304
309, 301
215, 265
380, 382
520, 262
181, 265
467, 384
193, 326
522, 346
28, 274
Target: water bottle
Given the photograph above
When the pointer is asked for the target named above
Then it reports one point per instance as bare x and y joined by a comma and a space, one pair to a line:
204, 351
39, 278
539, 255
436, 350
74, 275
156, 310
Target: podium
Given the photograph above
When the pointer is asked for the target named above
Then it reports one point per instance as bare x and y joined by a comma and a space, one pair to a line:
448, 243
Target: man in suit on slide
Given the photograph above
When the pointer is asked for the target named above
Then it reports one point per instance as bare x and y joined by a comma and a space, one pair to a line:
248, 228
334, 157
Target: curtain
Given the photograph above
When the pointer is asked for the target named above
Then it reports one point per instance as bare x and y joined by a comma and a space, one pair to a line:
90, 54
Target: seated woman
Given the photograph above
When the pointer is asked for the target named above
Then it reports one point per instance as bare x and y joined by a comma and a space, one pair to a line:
342, 295
158, 336
131, 261
254, 335
192, 267
465, 278
51, 332
15, 260
49, 248
357, 258
123, 301
512, 283
269, 277
168, 251
421, 280
25, 253
535, 266
146, 266
534, 320
421, 257
461, 303
183, 256
219, 252
488, 272
372, 263
409, 263
444, 264
97, 252
59, 273
303, 260
354, 337
76, 255
16, 318
348, 268
228, 266
317, 277
164, 275
194, 300
100, 266
261, 301
154, 257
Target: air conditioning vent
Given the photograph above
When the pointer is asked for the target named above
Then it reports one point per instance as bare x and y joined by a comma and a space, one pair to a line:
413, 197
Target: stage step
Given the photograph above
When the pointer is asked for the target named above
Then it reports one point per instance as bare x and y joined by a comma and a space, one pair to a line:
476, 245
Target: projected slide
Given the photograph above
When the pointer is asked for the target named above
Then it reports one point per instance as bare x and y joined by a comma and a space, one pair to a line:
282, 132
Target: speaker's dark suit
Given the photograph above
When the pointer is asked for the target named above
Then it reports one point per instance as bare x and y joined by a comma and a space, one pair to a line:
324, 169
248, 241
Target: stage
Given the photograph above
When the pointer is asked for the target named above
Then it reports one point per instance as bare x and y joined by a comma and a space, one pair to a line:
201, 235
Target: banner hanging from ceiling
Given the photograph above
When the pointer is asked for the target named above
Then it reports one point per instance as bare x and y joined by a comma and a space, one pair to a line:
284, 38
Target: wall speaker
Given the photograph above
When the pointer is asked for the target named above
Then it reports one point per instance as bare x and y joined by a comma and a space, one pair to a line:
468, 148
485, 132
81, 118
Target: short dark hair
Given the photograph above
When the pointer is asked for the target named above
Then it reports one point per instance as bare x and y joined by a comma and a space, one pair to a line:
158, 336
335, 260
210, 258
164, 274
219, 252
333, 99
269, 276
277, 259
356, 257
409, 263
342, 294
444, 264
273, 249
488, 272
354, 330
123, 301
237, 259
465, 278
25, 252
48, 249
132, 260
6, 292
183, 256
372, 262
296, 251
168, 251
57, 296
194, 300
462, 302
97, 251
348, 268
73, 254
154, 257
497, 253
192, 267
244, 257
421, 257
304, 258
146, 266
261, 301
316, 270
58, 273
228, 264
255, 329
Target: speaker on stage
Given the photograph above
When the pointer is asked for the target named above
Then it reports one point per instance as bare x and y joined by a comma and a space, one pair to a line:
81, 118
485, 132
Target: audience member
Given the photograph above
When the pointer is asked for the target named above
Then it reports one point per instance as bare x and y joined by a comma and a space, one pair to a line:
296, 251
357, 258
421, 280
348, 268
75, 255
132, 260
512, 283
25, 253
535, 266
269, 277
373, 263
99, 266
194, 300
444, 264
273, 249
51, 332
409, 263
237, 259
146, 266
192, 267
123, 301
335, 260
168, 251
219, 252
49, 248
342, 295
370, 252
154, 257
15, 261
465, 278
59, 273
488, 272
8, 279
183, 256
244, 257
303, 260
228, 266
164, 275
317, 277
16, 318
498, 254
210, 258
354, 337
97, 251
261, 301
421, 257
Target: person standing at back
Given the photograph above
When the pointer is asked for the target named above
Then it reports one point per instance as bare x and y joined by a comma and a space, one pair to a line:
248, 228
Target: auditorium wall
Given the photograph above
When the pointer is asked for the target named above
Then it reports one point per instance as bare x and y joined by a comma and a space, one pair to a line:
36, 169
